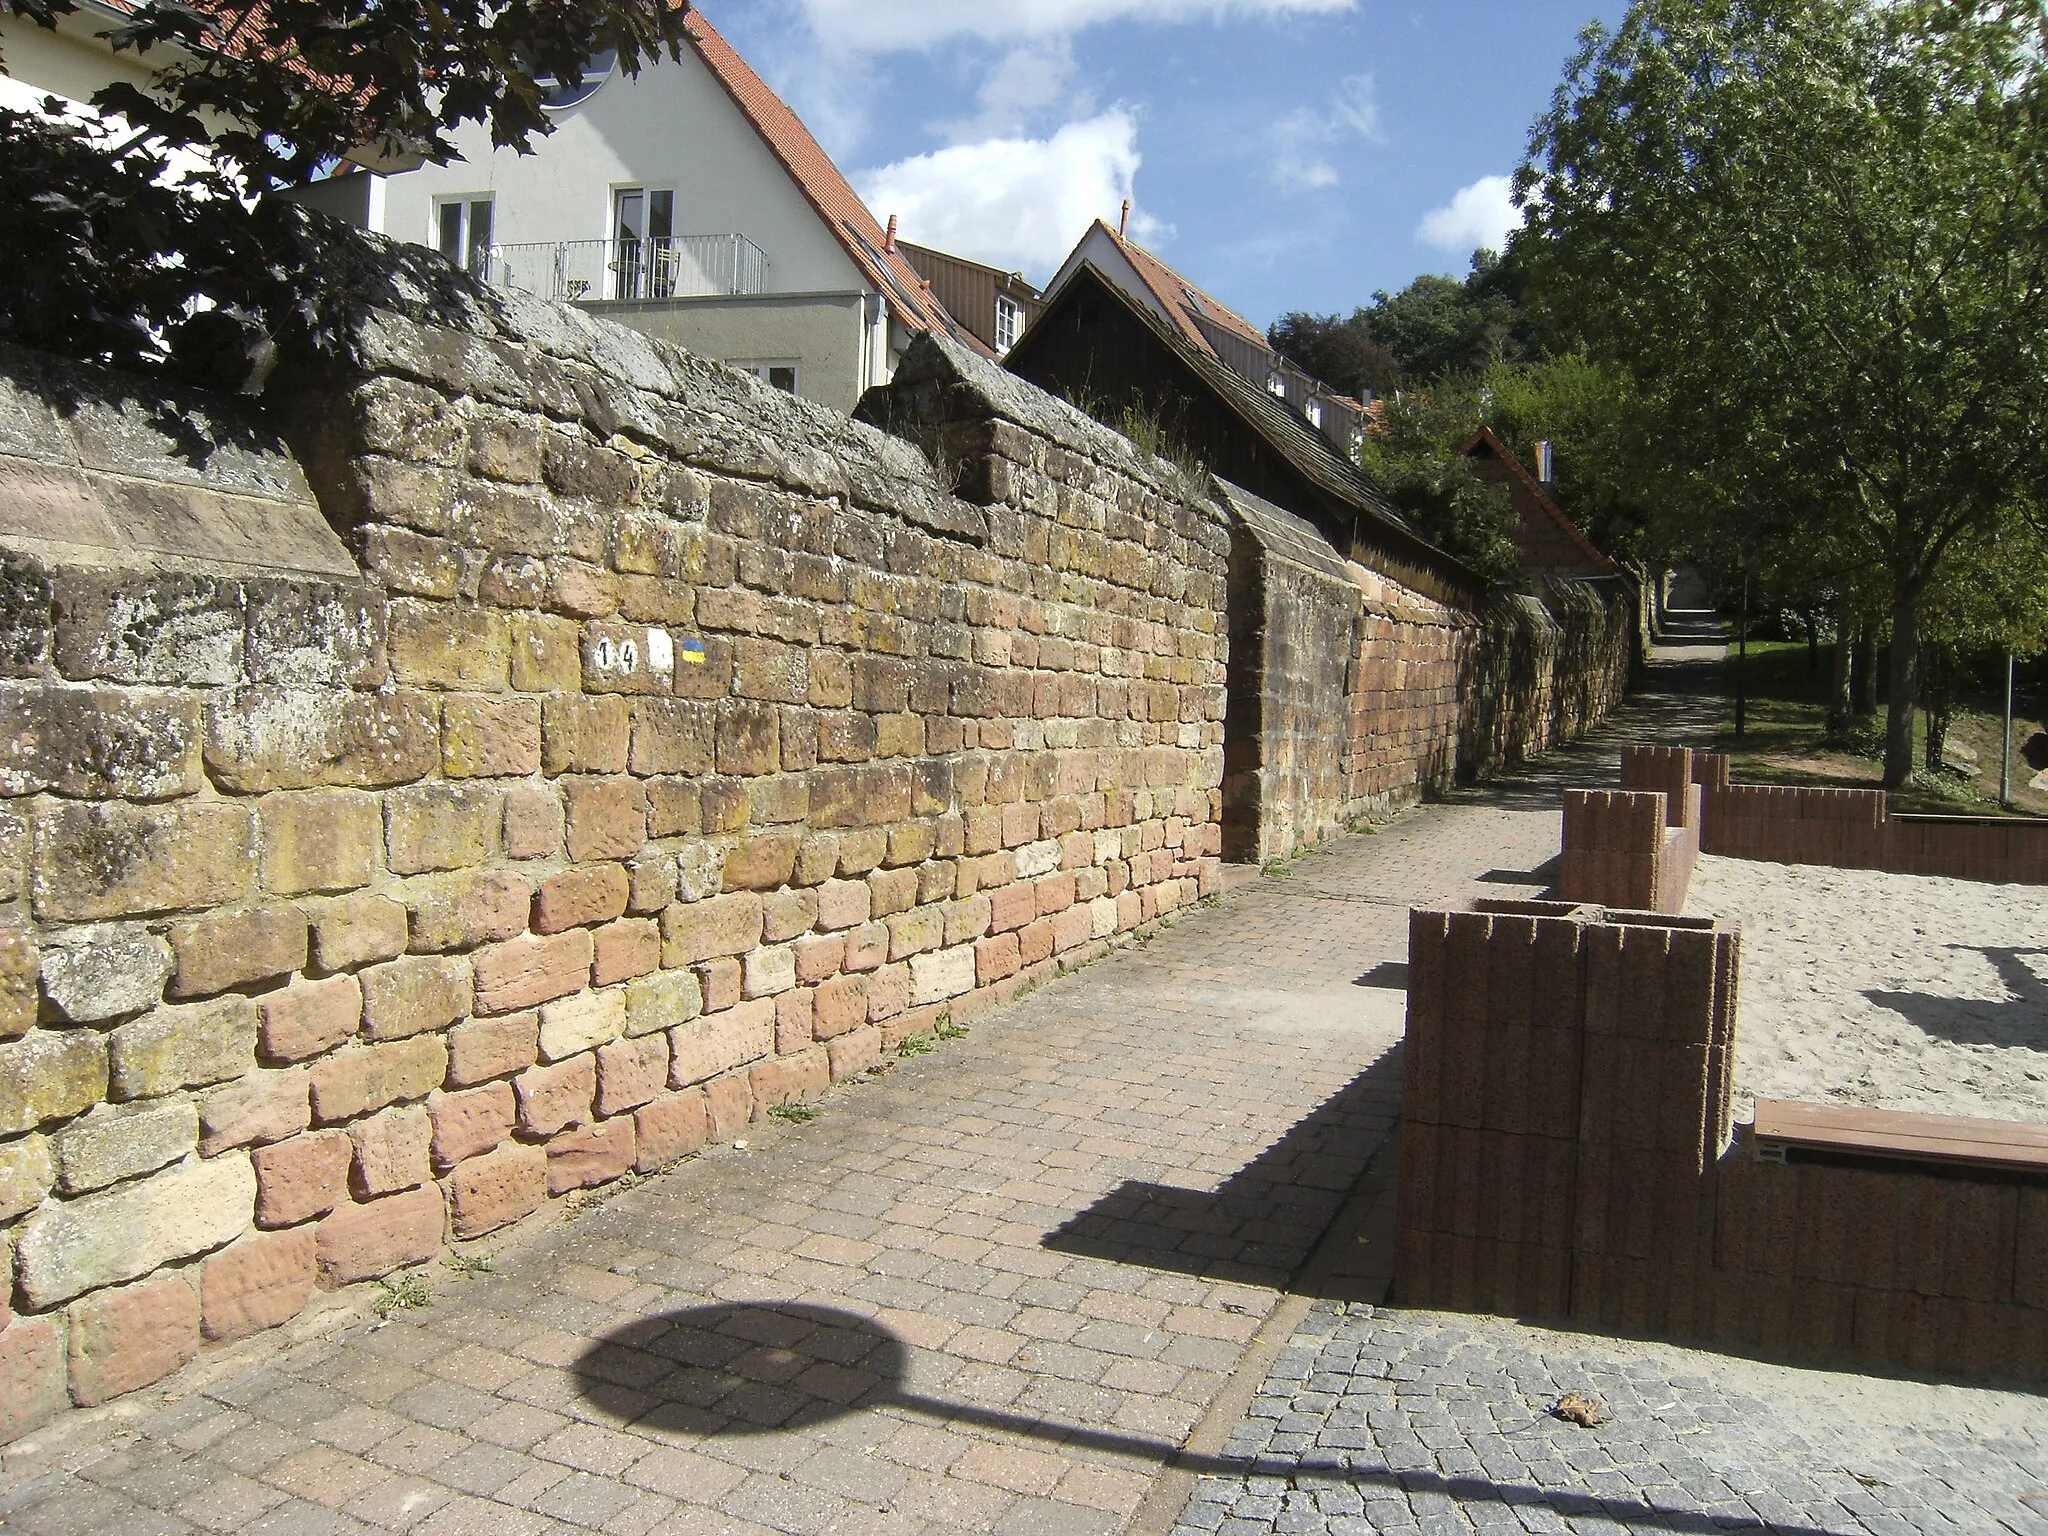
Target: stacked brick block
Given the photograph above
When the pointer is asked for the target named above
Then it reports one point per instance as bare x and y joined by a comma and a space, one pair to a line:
1567, 1153
1635, 848
678, 749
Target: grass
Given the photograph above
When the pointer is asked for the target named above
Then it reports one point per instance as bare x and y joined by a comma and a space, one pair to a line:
408, 1293
1785, 740
795, 1112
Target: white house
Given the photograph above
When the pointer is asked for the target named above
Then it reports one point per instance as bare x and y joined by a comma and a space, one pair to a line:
688, 202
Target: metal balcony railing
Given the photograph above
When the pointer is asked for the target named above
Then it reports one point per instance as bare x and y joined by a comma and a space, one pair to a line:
681, 267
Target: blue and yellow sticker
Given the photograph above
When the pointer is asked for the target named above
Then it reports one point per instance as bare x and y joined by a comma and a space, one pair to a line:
690, 652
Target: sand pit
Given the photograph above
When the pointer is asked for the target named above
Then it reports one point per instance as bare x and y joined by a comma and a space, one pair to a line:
1894, 991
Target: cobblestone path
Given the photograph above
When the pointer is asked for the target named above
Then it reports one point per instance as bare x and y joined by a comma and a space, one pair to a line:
1379, 1420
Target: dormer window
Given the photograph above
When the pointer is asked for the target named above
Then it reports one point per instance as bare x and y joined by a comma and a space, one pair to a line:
1276, 385
1009, 322
1314, 411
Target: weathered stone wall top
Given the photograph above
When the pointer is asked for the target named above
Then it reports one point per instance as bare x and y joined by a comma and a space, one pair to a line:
95, 469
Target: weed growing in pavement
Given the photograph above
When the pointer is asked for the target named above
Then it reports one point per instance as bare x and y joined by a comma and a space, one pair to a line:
795, 1112
468, 1265
408, 1293
916, 1045
946, 1029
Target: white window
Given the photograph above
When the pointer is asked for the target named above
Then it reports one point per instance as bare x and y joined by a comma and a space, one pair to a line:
1314, 411
462, 230
643, 234
1276, 385
777, 373
1009, 321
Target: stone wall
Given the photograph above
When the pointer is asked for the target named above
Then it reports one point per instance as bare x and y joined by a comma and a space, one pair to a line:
1352, 695
591, 750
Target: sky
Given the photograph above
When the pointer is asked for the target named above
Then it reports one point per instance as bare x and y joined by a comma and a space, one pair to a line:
1282, 154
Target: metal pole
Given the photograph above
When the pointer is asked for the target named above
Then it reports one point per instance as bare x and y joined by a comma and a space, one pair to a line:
2005, 755
1742, 661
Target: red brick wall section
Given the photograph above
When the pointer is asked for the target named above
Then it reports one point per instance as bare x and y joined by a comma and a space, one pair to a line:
1567, 1154
682, 748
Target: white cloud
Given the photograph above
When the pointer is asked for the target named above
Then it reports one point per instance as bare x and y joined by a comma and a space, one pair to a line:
1483, 214
1022, 87
1015, 202
1301, 138
888, 26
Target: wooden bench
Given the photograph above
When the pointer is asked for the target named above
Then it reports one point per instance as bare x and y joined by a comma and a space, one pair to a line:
1783, 1125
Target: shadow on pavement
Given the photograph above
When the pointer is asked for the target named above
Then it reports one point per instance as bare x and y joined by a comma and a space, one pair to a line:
739, 1369
1261, 1224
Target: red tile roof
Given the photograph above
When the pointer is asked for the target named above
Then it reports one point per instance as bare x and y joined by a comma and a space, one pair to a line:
1179, 296
822, 183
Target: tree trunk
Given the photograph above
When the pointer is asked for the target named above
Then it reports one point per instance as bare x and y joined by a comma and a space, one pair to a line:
1812, 639
1840, 704
1904, 692
1863, 673
1938, 694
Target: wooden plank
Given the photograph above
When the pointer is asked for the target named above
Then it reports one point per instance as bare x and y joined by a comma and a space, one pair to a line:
1898, 1134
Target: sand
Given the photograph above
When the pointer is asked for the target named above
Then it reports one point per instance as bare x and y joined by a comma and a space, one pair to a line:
1908, 992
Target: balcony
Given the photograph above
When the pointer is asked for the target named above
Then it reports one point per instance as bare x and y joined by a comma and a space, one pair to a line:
678, 267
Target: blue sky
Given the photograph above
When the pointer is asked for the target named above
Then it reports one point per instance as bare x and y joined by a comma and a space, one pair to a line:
1284, 154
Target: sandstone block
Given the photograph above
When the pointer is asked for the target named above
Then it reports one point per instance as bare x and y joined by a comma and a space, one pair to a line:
748, 738
20, 969
888, 992
98, 743
547, 656
590, 1154
411, 996
891, 891
867, 947
861, 849
183, 1047
585, 735
119, 860
318, 840
553, 1098
533, 822
482, 1049
719, 1042
304, 1177
631, 1073
236, 949
28, 1171
490, 738
669, 1128
852, 1054
762, 862
793, 1013
262, 1107
258, 1282
936, 977
361, 1242
102, 1239
662, 1002
625, 949
995, 958
730, 1100
607, 818
434, 645
391, 1151
723, 925
652, 880
461, 911
784, 1079
118, 1142
166, 628
819, 956
720, 979
310, 1018
842, 904
442, 826
314, 634
262, 739
122, 1339
104, 971
470, 1123
839, 1006
581, 1023
357, 930
32, 1387
768, 971
530, 970
488, 1192
672, 736
359, 1082
50, 1075
787, 914
577, 898
914, 932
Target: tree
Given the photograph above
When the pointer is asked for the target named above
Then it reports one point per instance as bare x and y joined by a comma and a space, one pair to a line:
1414, 457
1816, 233
130, 235
1341, 352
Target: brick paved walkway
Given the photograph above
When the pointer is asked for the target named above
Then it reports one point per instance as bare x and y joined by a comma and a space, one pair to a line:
1379, 1420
